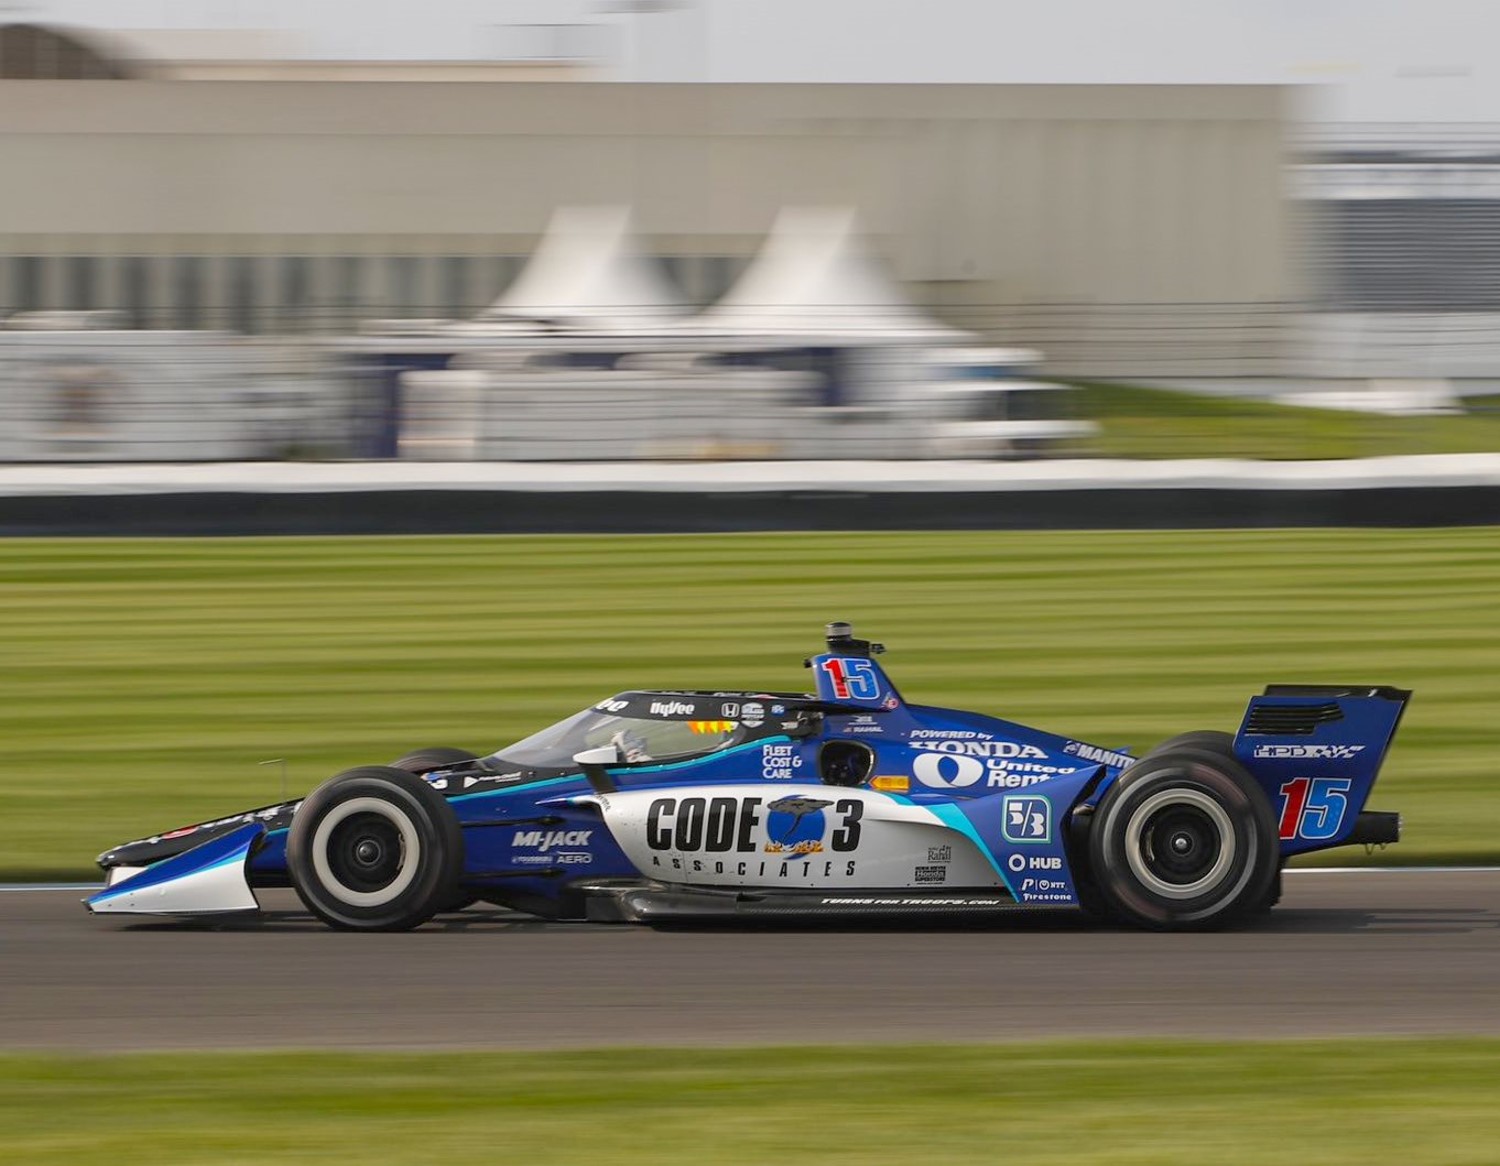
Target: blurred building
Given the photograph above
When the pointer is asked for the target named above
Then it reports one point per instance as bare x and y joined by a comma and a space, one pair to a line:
1133, 230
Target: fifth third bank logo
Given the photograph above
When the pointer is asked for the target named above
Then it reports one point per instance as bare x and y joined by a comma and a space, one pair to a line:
1027, 819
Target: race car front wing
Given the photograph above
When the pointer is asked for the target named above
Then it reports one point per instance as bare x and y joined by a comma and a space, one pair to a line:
210, 879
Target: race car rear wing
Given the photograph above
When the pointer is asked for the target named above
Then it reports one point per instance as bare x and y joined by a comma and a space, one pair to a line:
1316, 749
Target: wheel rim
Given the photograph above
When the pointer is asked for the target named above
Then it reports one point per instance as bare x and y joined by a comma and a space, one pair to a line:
1180, 843
365, 851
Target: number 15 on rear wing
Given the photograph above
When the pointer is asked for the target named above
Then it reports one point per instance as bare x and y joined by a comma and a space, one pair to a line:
1316, 750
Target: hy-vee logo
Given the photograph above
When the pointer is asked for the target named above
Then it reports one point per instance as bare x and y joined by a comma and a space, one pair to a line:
672, 708
1323, 752
545, 840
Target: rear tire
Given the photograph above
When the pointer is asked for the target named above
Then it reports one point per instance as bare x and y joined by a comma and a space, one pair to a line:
1184, 840
436, 757
375, 849
1209, 740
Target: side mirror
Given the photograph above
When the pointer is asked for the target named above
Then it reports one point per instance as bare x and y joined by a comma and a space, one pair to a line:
594, 762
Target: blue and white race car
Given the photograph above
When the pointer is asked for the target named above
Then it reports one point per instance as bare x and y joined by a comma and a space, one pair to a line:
673, 806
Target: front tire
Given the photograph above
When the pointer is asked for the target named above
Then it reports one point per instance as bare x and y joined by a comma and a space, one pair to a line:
375, 849
435, 757
1184, 840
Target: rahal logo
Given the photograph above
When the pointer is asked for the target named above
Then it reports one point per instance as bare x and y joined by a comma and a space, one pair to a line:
795, 825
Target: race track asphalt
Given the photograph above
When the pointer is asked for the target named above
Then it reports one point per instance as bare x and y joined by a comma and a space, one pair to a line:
1395, 952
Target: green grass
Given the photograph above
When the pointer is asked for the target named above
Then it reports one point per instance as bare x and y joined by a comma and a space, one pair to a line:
143, 680
1121, 1102
1156, 423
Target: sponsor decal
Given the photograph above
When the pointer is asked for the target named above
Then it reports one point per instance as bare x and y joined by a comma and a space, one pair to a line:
701, 727
796, 825
1016, 863
1109, 757
752, 713
1004, 780
730, 711
944, 771
930, 874
1013, 766
1310, 752
779, 761
560, 858
545, 840
958, 764
942, 853
983, 748
244, 819
492, 778
950, 734
925, 901
1045, 891
778, 710
672, 708
790, 826
1313, 808
612, 706
1027, 819
864, 724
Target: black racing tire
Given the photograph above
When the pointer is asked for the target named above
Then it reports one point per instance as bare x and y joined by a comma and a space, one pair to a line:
1268, 900
435, 757
1209, 740
375, 849
1183, 841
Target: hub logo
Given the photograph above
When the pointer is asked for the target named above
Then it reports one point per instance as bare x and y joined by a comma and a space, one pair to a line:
1027, 820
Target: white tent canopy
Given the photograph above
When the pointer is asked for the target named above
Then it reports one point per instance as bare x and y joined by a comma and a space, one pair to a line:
815, 280
588, 273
